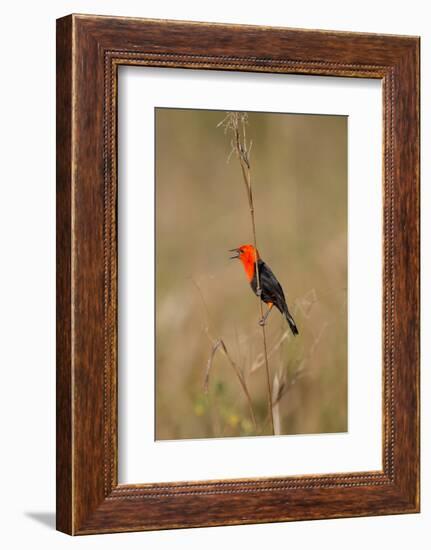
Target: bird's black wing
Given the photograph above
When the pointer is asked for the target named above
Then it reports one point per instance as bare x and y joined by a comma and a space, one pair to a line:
273, 292
271, 288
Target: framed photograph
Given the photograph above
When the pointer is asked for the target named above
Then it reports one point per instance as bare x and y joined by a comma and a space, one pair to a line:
237, 274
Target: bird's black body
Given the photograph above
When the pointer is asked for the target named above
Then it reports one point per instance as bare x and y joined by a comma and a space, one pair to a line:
271, 292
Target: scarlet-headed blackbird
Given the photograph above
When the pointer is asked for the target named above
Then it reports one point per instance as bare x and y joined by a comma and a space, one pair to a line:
270, 289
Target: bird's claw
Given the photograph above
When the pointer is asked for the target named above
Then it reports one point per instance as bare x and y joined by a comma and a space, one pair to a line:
259, 292
262, 322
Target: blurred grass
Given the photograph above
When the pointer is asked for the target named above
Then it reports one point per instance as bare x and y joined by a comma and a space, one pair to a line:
299, 172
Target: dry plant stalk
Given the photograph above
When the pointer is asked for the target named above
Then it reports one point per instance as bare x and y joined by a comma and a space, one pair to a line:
236, 123
218, 343
301, 370
276, 406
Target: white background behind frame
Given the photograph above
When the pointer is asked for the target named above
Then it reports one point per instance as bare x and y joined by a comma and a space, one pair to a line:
141, 458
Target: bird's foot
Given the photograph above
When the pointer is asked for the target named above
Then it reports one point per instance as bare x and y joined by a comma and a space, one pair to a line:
259, 292
262, 322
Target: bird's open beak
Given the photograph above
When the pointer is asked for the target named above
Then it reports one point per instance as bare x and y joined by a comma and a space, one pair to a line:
236, 256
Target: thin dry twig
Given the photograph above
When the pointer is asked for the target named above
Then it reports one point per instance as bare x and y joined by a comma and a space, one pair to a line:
284, 386
236, 123
276, 405
218, 343
214, 349
301, 370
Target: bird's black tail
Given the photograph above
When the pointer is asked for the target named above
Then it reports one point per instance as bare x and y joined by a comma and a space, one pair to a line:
291, 323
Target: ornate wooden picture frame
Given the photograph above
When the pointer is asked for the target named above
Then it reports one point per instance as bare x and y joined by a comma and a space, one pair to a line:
89, 51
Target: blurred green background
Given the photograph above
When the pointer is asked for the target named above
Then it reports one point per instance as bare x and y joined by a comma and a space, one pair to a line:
299, 178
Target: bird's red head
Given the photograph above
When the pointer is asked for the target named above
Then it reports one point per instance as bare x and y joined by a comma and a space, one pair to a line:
248, 254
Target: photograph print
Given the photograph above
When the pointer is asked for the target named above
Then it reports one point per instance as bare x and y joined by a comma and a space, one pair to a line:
251, 274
